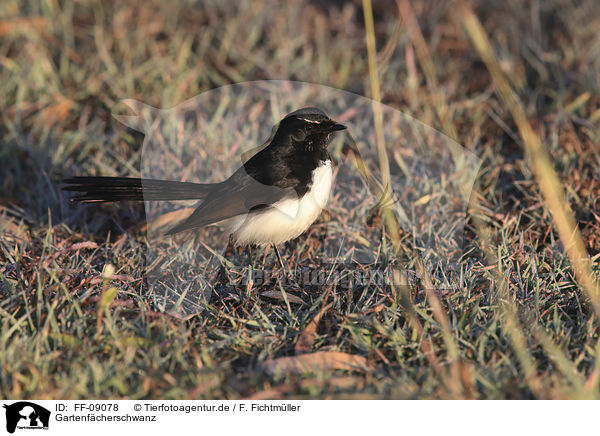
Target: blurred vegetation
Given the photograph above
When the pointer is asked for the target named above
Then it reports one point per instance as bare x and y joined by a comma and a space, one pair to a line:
71, 327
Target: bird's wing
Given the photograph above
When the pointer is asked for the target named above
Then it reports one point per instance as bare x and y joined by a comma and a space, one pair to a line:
236, 196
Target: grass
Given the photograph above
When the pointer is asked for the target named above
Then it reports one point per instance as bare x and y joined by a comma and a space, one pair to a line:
78, 316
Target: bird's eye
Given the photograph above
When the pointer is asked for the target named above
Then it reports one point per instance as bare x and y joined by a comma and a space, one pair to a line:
309, 127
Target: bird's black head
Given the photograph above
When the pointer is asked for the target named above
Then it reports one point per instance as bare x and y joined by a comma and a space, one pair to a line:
308, 128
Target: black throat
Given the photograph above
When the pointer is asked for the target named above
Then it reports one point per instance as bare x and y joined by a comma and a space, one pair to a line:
287, 163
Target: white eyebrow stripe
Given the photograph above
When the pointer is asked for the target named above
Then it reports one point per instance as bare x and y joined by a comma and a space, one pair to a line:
310, 121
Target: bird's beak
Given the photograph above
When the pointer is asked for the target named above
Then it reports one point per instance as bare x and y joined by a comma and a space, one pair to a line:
337, 126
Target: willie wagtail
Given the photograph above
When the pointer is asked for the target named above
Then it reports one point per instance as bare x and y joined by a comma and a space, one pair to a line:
272, 198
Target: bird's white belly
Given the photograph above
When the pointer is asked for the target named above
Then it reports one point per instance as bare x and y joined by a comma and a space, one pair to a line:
286, 219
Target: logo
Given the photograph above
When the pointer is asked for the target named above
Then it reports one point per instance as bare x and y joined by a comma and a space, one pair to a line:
26, 415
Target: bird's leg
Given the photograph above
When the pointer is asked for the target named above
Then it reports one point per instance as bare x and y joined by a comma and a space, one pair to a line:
286, 271
250, 255
250, 273
283, 267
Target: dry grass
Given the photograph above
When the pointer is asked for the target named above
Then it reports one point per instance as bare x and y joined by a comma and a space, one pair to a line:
514, 322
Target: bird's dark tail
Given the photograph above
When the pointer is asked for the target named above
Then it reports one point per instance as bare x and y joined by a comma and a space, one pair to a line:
108, 189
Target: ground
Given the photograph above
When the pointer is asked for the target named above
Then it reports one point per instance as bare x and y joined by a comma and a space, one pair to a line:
76, 319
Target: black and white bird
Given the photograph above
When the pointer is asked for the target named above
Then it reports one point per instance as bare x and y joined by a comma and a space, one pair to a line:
272, 198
